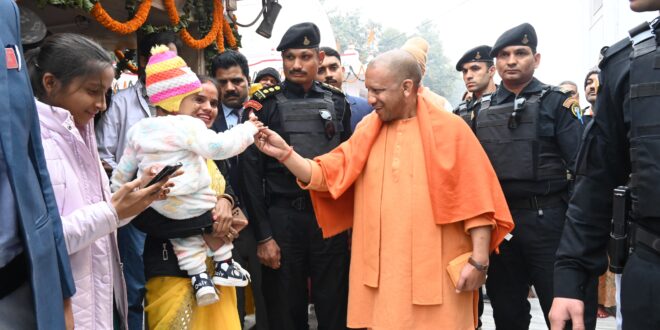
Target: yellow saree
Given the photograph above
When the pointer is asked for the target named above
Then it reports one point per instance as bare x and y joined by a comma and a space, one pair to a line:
170, 301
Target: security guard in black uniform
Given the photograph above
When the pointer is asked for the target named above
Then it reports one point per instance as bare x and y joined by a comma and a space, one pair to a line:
478, 71
314, 118
621, 147
531, 137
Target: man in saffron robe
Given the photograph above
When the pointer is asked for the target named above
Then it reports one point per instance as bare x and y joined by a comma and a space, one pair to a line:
419, 191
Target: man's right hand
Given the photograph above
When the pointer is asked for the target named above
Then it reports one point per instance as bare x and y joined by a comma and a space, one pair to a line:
566, 309
272, 144
269, 254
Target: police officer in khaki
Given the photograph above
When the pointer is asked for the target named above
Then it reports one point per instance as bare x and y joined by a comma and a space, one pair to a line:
314, 118
531, 137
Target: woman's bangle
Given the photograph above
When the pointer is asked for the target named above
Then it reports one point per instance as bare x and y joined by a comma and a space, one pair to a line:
288, 154
229, 198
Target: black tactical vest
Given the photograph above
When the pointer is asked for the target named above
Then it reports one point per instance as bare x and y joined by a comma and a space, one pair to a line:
464, 112
509, 133
312, 124
645, 122
467, 112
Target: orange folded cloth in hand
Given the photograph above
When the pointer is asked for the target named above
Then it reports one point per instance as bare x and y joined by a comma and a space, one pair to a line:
456, 265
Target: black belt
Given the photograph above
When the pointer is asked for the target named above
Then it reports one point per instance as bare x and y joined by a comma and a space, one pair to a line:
302, 203
536, 202
647, 238
13, 275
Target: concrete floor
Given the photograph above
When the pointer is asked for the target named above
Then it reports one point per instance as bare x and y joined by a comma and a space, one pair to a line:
537, 323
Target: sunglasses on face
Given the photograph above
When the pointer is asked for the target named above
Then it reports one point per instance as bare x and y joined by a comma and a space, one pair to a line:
328, 124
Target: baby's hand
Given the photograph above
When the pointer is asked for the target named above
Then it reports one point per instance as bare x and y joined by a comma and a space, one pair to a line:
260, 126
252, 117
255, 121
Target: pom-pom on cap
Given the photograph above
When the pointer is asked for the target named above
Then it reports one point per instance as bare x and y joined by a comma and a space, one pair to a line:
169, 79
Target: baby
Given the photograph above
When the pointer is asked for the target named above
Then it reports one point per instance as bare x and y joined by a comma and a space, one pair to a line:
175, 136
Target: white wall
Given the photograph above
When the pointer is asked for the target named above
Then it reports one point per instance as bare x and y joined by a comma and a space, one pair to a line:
604, 23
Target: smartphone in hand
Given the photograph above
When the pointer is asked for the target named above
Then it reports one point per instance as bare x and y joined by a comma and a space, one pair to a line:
164, 173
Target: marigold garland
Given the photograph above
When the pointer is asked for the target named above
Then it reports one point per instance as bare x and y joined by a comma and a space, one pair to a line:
219, 32
226, 33
101, 16
229, 35
220, 39
185, 35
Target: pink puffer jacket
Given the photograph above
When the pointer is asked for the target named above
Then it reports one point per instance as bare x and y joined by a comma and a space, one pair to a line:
89, 220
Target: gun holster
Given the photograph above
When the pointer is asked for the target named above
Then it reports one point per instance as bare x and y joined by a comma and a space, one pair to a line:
619, 244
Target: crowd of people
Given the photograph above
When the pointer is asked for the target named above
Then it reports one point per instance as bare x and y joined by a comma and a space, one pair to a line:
158, 207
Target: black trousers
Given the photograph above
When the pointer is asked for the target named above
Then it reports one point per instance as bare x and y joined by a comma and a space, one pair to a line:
640, 290
525, 260
305, 254
245, 252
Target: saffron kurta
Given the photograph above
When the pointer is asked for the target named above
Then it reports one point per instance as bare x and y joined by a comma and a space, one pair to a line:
401, 248
405, 195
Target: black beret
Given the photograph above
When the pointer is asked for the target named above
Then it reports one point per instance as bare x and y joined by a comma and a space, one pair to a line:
523, 35
268, 72
302, 35
476, 54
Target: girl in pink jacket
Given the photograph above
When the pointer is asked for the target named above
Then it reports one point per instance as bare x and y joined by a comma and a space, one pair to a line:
70, 75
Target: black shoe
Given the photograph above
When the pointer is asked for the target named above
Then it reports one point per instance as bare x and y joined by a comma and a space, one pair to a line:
230, 274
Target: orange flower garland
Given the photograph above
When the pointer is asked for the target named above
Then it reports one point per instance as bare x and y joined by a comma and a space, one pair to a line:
185, 35
220, 39
219, 32
225, 33
101, 16
229, 35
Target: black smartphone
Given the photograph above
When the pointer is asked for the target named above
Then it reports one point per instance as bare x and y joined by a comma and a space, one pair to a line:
164, 173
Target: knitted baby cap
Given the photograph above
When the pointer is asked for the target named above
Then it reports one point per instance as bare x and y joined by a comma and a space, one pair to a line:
169, 79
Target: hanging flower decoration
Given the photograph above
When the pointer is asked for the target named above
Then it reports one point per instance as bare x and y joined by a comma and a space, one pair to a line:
225, 33
101, 16
185, 35
125, 61
220, 31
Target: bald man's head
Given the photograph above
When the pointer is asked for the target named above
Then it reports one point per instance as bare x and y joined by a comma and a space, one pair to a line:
392, 81
400, 64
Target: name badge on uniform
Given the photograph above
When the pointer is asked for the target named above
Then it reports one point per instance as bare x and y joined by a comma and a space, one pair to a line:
13, 58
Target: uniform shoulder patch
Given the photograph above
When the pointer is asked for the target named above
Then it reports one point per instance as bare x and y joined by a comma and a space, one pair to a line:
252, 104
569, 102
573, 105
266, 92
332, 88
